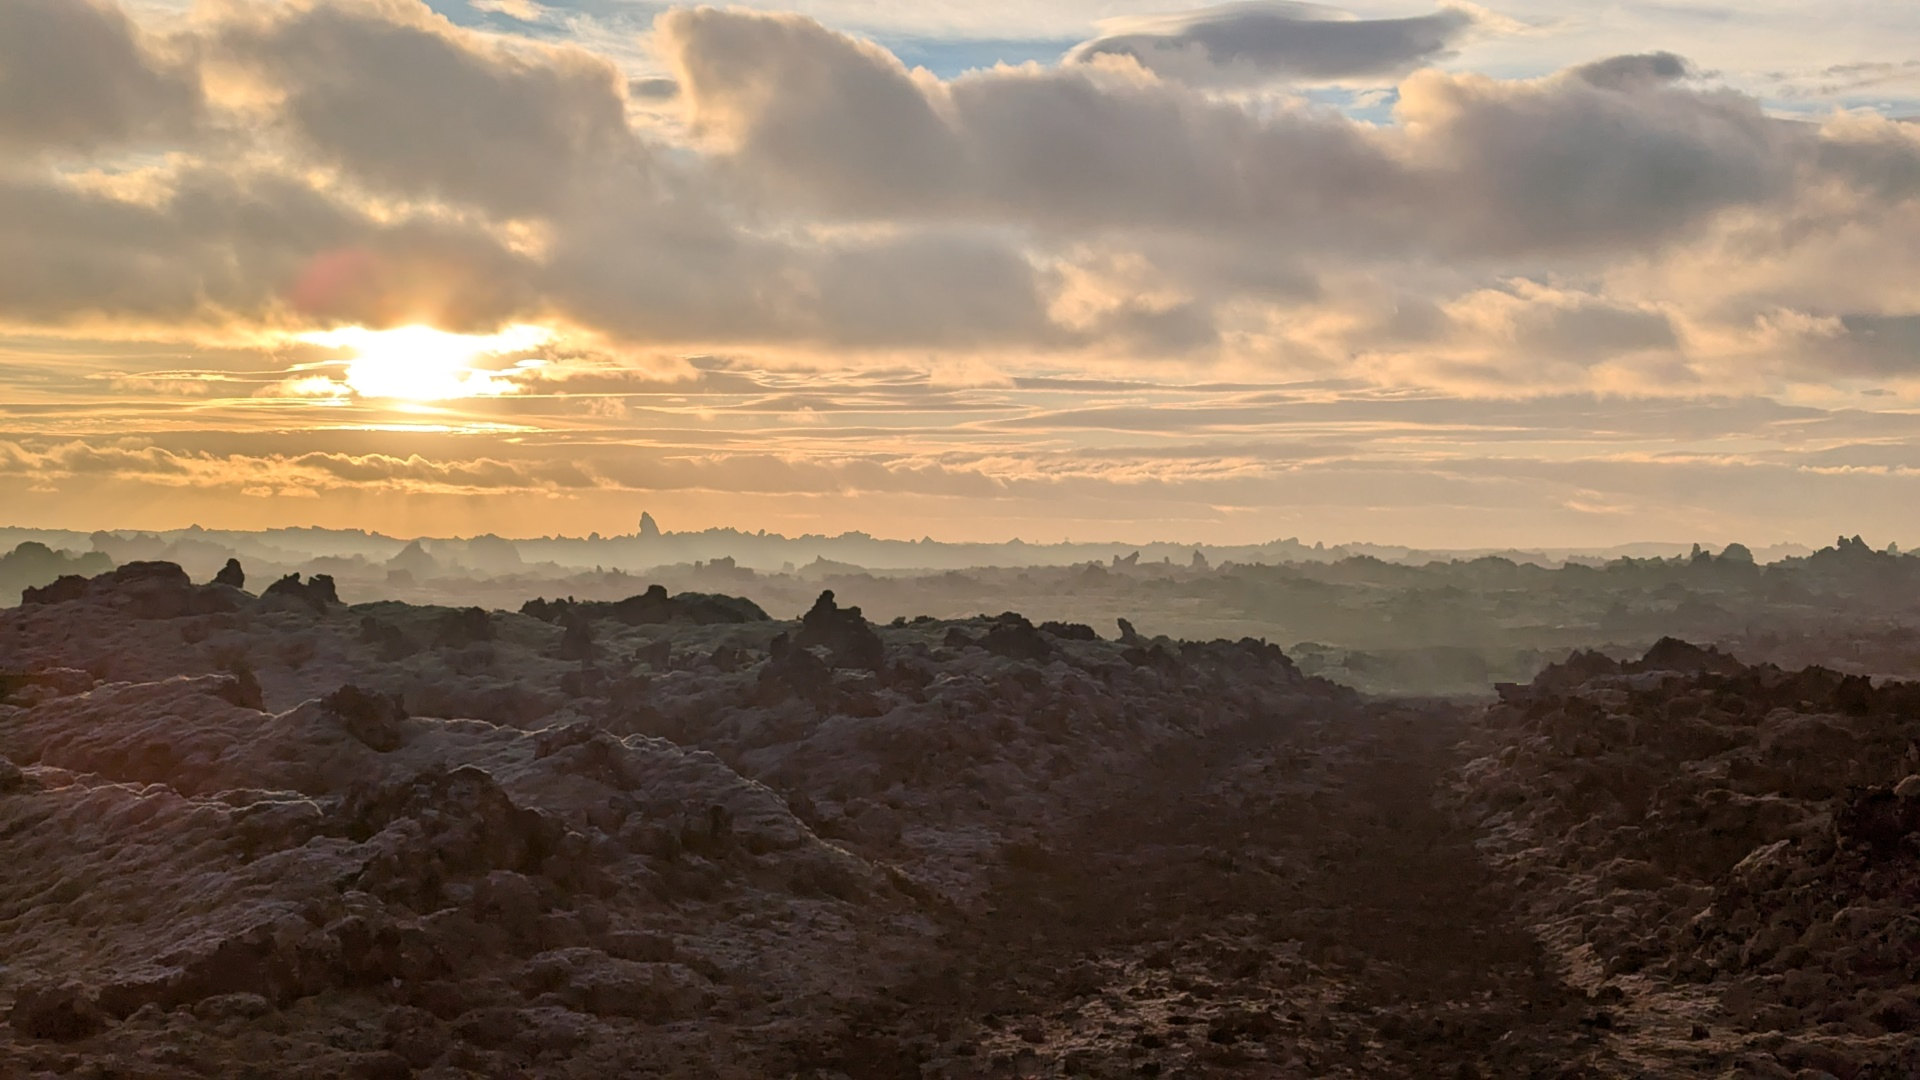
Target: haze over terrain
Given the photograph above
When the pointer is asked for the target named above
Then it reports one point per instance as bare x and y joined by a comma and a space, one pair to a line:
1378, 618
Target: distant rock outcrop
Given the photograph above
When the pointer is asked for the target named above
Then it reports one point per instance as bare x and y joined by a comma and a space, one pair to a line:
653, 607
1013, 637
845, 634
32, 565
144, 590
316, 593
414, 560
231, 575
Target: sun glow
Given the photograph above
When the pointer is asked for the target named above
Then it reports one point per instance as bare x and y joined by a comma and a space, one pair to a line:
420, 363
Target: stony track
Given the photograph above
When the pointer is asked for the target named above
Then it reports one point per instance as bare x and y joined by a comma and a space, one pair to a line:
1268, 901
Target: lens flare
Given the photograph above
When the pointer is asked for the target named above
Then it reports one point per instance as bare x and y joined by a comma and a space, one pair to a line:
420, 363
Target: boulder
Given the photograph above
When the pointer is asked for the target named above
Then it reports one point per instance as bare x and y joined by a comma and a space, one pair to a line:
231, 575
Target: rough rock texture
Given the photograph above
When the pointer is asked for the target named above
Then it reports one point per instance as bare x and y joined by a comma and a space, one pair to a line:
338, 881
288, 837
1731, 853
294, 837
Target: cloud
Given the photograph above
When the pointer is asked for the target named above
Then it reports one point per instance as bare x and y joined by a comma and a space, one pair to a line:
1634, 71
1611, 156
141, 462
404, 100
822, 198
79, 74
214, 246
817, 106
1274, 40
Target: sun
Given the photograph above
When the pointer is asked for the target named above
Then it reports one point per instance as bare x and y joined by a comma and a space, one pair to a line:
421, 363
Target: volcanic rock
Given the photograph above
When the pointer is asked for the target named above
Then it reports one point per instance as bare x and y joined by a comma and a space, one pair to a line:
846, 635
317, 593
1687, 821
231, 575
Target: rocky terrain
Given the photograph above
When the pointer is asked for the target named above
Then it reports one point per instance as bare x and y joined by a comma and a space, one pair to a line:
1385, 623
276, 835
1728, 854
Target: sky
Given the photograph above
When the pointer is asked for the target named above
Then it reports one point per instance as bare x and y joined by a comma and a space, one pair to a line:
1536, 273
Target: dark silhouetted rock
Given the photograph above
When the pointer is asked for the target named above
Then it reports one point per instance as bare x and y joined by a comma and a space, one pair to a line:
847, 636
317, 593
1672, 654
654, 607
63, 589
231, 575
144, 590
1017, 639
1070, 631
548, 611
33, 564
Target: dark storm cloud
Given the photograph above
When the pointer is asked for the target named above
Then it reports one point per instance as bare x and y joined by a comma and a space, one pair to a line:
1241, 44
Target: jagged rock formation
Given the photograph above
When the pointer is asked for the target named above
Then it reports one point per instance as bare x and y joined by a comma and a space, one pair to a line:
231, 575
142, 590
33, 564
317, 592
1731, 852
653, 607
671, 836
483, 898
845, 634
417, 840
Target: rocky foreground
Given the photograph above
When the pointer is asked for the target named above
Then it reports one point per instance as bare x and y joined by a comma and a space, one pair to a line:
1729, 855
279, 836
